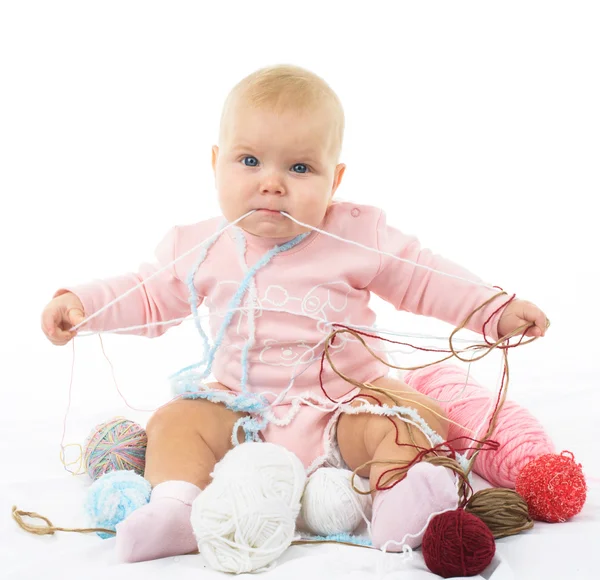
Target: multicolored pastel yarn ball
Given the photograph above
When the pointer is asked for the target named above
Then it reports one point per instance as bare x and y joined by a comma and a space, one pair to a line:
553, 486
118, 444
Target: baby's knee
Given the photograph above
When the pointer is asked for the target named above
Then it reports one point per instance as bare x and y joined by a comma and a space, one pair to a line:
178, 414
429, 411
196, 419
437, 418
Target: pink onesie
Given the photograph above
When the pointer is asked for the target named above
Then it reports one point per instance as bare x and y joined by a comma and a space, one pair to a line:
320, 281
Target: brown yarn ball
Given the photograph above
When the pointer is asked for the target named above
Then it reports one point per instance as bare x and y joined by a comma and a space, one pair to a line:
457, 543
503, 511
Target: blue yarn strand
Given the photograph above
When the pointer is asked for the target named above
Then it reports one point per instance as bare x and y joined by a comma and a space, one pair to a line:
244, 401
237, 298
193, 301
193, 297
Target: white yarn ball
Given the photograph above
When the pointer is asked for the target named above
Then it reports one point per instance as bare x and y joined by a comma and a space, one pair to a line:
245, 518
281, 472
330, 505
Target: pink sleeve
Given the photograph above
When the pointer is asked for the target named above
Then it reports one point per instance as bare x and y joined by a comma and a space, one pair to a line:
422, 291
163, 298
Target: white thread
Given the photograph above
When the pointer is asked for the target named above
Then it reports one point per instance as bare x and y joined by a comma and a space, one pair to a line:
402, 542
201, 244
281, 311
375, 250
252, 296
232, 563
416, 535
388, 563
119, 298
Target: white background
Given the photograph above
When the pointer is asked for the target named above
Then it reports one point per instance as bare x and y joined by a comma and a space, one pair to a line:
476, 125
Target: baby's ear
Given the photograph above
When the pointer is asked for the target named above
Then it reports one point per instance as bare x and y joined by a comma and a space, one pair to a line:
337, 178
215, 156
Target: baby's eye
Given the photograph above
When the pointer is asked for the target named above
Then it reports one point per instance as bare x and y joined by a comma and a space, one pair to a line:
250, 161
299, 168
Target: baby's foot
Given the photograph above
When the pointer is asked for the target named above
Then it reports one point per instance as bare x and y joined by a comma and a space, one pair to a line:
161, 528
400, 513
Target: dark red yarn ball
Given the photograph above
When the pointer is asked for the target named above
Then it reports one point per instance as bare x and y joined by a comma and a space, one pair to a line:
553, 486
457, 543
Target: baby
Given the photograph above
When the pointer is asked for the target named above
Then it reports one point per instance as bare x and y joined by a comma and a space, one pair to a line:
277, 164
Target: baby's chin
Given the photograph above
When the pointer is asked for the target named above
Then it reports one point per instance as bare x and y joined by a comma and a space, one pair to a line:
269, 231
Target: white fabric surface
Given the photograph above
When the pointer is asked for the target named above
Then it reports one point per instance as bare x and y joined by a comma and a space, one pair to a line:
33, 479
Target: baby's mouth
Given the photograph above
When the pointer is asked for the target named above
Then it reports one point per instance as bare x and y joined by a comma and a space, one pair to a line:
270, 212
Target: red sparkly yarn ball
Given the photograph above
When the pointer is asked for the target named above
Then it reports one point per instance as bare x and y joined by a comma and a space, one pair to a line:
553, 486
457, 543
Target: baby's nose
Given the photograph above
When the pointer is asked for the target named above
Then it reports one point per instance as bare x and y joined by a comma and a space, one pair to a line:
272, 184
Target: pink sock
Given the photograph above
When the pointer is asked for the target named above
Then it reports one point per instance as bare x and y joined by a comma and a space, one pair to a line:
400, 513
162, 527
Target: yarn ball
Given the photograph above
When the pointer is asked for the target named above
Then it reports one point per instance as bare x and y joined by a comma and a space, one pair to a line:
245, 518
457, 543
553, 486
113, 496
521, 436
118, 444
502, 510
330, 505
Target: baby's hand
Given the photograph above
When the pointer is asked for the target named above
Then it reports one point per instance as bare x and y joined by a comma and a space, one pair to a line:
520, 312
61, 314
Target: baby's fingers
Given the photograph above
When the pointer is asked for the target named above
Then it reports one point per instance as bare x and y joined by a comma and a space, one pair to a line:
50, 321
75, 316
61, 339
534, 331
535, 315
52, 327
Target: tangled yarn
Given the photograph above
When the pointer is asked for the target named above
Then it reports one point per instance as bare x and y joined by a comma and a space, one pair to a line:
118, 444
246, 517
457, 543
521, 436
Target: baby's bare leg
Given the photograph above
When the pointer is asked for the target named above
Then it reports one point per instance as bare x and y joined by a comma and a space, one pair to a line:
186, 438
365, 437
399, 513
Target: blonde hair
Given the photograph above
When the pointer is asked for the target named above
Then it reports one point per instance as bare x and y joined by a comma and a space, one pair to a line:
288, 88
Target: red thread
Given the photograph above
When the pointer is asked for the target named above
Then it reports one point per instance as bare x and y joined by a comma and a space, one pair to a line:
492, 316
445, 447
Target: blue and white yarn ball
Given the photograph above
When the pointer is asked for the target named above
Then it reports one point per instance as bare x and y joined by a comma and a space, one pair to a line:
112, 497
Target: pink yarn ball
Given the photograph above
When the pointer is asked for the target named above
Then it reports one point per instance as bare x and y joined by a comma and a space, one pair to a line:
520, 435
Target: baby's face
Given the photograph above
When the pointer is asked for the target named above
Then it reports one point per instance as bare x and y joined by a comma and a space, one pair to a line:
275, 162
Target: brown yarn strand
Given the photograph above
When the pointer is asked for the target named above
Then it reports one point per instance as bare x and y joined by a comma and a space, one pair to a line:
503, 510
49, 528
